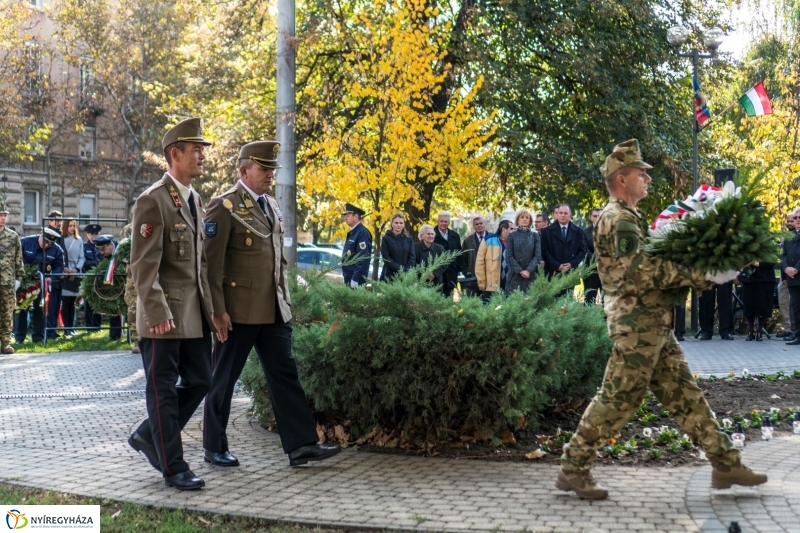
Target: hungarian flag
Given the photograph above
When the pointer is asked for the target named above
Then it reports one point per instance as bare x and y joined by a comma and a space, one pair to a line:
756, 101
701, 111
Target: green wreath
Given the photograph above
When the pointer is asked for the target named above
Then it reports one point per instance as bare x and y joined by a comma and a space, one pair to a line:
104, 298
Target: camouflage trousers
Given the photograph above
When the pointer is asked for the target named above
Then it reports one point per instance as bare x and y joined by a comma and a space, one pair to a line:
130, 300
638, 361
8, 302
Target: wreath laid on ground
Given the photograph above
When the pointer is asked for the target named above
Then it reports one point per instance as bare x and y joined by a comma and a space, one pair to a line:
104, 297
29, 288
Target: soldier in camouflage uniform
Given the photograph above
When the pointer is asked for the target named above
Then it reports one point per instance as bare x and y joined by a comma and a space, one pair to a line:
645, 352
11, 270
130, 295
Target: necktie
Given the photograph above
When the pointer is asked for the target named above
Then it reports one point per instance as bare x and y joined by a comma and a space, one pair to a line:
564, 233
262, 204
192, 207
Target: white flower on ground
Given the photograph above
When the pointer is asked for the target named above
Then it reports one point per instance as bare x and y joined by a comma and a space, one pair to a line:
727, 422
745, 372
774, 410
686, 437
663, 429
647, 432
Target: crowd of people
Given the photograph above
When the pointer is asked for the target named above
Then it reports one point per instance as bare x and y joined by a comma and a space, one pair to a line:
62, 258
507, 260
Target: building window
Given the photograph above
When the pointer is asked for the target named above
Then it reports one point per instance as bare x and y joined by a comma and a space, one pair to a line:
36, 3
88, 142
33, 68
86, 207
87, 77
31, 206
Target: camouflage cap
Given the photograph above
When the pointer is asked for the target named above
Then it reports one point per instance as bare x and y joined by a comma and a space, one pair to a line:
189, 130
3, 208
623, 155
265, 153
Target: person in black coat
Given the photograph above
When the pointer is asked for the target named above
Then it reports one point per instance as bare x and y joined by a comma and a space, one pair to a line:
790, 265
563, 244
591, 283
757, 291
397, 249
425, 251
450, 241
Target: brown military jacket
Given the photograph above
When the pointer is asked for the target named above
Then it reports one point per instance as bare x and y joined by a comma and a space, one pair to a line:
246, 266
633, 281
11, 267
169, 263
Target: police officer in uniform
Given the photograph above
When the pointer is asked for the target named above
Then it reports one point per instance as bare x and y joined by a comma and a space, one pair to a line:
106, 246
11, 271
40, 250
359, 243
91, 259
247, 276
173, 310
645, 353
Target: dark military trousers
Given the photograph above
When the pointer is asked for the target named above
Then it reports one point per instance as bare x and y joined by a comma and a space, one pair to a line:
170, 406
723, 294
273, 344
638, 361
21, 329
92, 319
53, 310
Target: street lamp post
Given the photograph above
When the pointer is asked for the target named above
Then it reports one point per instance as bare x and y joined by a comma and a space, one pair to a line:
712, 38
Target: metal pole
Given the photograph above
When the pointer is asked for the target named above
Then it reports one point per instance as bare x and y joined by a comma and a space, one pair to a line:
286, 184
695, 161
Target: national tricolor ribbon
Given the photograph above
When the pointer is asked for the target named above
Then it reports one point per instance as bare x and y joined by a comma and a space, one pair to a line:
701, 112
109, 278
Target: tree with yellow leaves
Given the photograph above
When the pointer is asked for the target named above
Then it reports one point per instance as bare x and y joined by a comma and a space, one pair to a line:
385, 144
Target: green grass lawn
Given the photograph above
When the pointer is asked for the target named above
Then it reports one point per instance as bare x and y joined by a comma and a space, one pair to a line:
121, 517
84, 341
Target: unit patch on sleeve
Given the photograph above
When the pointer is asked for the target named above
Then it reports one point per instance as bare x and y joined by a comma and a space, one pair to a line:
211, 229
146, 230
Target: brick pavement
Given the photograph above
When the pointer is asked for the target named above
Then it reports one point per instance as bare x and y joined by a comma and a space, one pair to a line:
74, 441
720, 357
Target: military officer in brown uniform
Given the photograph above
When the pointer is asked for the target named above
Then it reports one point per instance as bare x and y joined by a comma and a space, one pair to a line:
173, 310
247, 276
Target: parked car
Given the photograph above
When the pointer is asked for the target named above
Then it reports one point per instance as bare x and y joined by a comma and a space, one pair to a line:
323, 258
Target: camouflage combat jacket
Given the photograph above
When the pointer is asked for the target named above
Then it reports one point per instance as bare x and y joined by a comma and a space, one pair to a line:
10, 257
634, 282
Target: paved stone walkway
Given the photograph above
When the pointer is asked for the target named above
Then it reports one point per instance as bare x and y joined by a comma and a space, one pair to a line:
65, 418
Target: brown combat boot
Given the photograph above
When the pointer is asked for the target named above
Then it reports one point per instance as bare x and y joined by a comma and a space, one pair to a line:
582, 483
723, 477
7, 349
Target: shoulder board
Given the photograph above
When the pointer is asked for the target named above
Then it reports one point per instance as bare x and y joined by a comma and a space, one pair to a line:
153, 187
230, 191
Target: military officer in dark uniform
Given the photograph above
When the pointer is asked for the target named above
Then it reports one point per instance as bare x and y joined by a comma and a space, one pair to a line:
40, 250
106, 246
247, 277
173, 309
359, 243
91, 259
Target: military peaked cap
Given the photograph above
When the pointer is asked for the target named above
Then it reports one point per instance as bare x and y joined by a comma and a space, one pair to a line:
92, 228
350, 208
51, 235
189, 130
265, 153
102, 240
623, 155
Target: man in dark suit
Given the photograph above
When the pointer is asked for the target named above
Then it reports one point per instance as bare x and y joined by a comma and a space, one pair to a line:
787, 319
591, 283
173, 309
470, 249
723, 295
563, 244
450, 241
790, 265
247, 274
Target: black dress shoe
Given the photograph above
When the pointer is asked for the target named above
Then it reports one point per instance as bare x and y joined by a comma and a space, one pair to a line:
705, 336
184, 481
140, 445
793, 342
790, 338
726, 337
750, 337
312, 452
220, 459
782, 335
679, 337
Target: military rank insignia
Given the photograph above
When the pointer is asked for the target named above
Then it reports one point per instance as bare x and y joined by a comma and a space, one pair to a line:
145, 230
211, 229
280, 215
176, 199
248, 202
